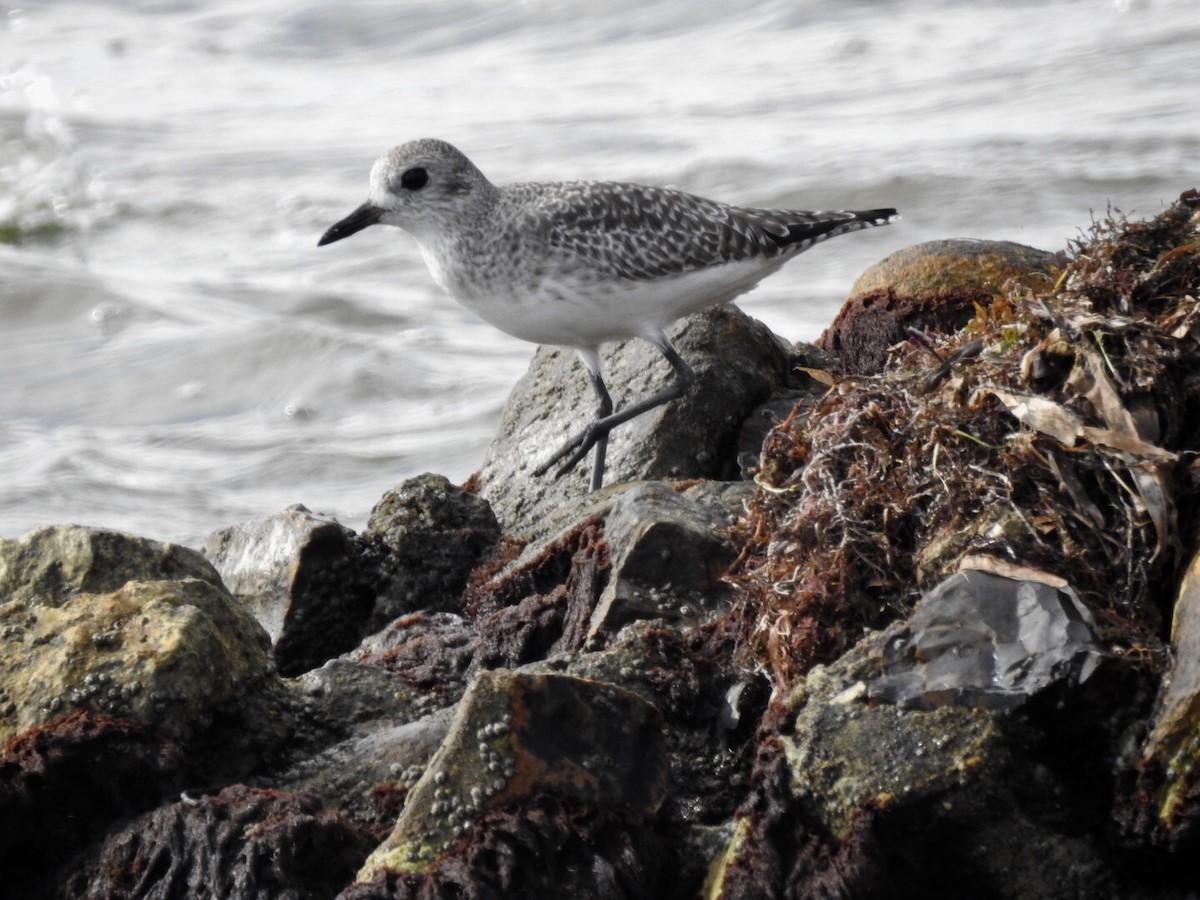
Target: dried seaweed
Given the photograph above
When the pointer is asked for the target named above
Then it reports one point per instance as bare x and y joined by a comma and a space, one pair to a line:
1058, 433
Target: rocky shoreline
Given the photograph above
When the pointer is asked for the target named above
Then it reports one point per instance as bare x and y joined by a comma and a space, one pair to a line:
910, 613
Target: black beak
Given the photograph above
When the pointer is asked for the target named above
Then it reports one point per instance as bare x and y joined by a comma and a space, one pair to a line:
358, 220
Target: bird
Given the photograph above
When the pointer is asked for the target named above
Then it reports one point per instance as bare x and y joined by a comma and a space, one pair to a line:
577, 264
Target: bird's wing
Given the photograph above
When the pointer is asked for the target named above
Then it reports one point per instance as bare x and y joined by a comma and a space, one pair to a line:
640, 232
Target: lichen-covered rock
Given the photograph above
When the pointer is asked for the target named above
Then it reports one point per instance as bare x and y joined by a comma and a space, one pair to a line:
959, 264
516, 736
48, 565
299, 575
172, 653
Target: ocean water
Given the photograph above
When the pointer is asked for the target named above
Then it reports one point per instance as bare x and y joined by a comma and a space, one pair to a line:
177, 355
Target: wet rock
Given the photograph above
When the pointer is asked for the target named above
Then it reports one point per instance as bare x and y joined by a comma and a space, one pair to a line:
65, 782
738, 363
361, 738
299, 575
242, 842
983, 640
670, 553
516, 736
540, 604
710, 711
673, 548
844, 753
930, 286
171, 653
421, 542
51, 564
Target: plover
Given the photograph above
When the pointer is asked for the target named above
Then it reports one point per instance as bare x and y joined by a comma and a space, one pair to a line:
576, 264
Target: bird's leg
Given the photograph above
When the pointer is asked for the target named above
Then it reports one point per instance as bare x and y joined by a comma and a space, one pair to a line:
596, 434
603, 411
591, 361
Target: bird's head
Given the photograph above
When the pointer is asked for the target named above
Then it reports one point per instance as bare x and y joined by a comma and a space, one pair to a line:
426, 187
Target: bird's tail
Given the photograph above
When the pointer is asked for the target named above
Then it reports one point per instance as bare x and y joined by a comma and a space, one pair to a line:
806, 229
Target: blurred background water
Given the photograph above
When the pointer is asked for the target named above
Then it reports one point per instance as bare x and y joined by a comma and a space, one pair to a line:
175, 353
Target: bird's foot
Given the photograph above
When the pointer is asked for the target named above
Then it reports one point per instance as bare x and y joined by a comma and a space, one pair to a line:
575, 449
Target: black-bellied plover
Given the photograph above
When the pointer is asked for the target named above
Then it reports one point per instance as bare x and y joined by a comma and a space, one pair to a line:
576, 264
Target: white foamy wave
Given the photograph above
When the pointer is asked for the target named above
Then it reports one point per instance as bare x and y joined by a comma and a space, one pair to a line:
45, 185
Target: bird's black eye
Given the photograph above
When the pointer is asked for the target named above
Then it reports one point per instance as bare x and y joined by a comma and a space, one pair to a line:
414, 179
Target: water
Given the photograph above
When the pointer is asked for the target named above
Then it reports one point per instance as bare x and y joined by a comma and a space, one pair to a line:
176, 354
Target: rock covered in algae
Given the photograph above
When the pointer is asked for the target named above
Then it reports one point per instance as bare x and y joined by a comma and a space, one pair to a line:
242, 842
934, 286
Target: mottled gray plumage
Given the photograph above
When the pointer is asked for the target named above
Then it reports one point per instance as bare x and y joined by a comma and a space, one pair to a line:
580, 263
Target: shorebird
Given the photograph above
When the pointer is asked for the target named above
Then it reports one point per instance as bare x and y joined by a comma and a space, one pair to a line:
579, 263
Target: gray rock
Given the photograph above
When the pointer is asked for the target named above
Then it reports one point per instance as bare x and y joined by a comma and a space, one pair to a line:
421, 543
668, 556
739, 363
299, 575
355, 698
367, 776
984, 640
